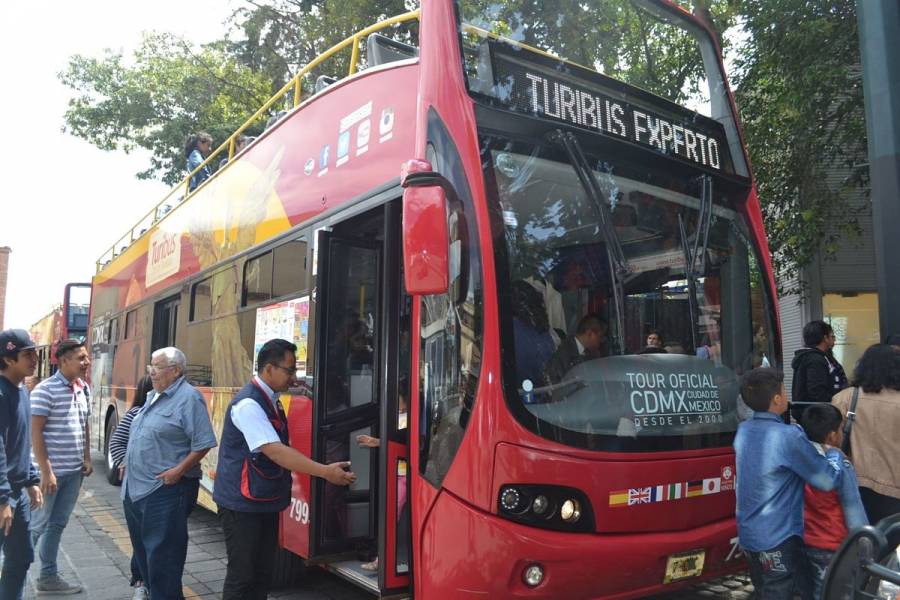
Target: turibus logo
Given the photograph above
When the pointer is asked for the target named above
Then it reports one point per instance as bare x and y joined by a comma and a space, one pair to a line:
163, 256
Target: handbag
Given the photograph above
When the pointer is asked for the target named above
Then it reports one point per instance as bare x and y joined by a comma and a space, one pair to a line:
848, 424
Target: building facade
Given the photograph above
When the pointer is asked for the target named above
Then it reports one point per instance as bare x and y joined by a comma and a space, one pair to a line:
841, 290
4, 272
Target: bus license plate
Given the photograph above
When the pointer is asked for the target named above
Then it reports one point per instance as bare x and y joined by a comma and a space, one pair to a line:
684, 565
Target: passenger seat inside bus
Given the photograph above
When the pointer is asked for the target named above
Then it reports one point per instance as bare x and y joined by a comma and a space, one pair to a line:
381, 50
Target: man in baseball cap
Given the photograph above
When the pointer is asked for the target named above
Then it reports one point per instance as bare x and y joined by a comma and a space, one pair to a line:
19, 490
13, 340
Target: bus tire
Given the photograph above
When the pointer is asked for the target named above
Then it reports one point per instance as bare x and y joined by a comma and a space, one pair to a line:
287, 569
112, 472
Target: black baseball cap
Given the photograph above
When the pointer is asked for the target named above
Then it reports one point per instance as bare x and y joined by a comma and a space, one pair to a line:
13, 340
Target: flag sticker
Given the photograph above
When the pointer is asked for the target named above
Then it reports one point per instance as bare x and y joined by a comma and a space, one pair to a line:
639, 496
673, 491
713, 485
619, 498
694, 488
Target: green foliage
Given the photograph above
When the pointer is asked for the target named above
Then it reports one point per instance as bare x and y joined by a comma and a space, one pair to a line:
799, 90
613, 37
280, 36
170, 89
167, 90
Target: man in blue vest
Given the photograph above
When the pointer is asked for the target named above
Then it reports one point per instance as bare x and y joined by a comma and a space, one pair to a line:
253, 476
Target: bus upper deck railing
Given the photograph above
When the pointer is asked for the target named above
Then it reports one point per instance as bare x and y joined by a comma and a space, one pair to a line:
182, 190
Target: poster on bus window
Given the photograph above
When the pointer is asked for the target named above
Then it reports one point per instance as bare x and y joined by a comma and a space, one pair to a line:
288, 320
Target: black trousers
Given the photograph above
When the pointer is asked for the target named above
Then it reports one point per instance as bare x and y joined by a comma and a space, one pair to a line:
878, 506
251, 540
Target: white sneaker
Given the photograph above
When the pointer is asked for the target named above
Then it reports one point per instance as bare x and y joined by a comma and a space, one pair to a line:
141, 593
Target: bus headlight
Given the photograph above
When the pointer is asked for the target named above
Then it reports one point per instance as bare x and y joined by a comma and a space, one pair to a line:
533, 575
546, 506
510, 499
540, 504
570, 511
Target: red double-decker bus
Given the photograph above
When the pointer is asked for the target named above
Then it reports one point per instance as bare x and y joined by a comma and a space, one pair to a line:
470, 238
65, 321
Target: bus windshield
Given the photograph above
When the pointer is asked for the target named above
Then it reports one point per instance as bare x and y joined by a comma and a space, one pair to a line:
637, 356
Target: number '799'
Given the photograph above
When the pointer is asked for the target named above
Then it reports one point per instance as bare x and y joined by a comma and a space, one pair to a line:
299, 510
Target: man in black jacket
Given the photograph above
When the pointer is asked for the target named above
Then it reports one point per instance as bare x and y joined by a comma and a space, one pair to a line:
817, 374
19, 491
584, 345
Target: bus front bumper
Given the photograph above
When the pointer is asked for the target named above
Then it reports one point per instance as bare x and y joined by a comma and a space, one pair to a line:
467, 553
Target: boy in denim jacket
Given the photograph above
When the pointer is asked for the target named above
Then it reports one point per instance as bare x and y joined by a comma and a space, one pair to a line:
773, 462
828, 516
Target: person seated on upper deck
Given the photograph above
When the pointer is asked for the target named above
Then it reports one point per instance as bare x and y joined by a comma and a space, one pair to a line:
586, 344
239, 144
196, 149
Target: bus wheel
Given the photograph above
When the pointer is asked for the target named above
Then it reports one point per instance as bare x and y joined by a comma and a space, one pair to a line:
287, 569
112, 473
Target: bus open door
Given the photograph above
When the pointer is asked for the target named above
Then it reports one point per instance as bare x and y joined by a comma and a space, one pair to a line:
360, 310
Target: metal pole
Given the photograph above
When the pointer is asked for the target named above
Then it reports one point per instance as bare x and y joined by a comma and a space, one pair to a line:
879, 44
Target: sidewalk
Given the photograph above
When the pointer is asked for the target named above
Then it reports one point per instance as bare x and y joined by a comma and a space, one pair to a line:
96, 553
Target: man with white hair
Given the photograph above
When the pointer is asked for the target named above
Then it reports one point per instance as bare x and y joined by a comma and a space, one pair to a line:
169, 437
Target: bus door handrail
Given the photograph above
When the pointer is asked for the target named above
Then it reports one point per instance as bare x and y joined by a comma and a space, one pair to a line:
162, 208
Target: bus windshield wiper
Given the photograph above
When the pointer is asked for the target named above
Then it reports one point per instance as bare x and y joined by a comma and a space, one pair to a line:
701, 241
695, 257
569, 385
577, 160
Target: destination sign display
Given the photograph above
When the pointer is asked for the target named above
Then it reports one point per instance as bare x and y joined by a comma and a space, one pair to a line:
531, 89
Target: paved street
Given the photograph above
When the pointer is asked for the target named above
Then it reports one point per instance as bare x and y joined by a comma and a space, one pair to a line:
96, 553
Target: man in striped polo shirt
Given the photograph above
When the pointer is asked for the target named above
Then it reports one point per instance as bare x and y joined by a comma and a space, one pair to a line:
60, 439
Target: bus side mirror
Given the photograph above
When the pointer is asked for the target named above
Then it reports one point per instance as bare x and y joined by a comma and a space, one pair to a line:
426, 250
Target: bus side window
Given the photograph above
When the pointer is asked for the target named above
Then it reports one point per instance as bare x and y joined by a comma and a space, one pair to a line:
130, 324
201, 300
451, 324
113, 331
289, 268
258, 279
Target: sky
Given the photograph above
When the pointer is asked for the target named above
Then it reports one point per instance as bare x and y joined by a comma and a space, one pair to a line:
64, 202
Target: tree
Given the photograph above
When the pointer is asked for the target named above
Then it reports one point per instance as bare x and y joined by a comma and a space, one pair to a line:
799, 90
169, 90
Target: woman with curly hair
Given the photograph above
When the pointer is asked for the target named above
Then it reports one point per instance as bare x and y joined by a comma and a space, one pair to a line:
874, 443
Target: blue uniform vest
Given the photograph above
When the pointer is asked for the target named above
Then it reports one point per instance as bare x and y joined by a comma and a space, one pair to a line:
249, 481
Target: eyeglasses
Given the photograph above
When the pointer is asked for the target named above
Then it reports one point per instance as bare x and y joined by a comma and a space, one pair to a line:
290, 371
152, 368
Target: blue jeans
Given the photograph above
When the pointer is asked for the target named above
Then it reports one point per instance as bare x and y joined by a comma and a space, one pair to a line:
49, 522
779, 572
157, 525
819, 560
18, 551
